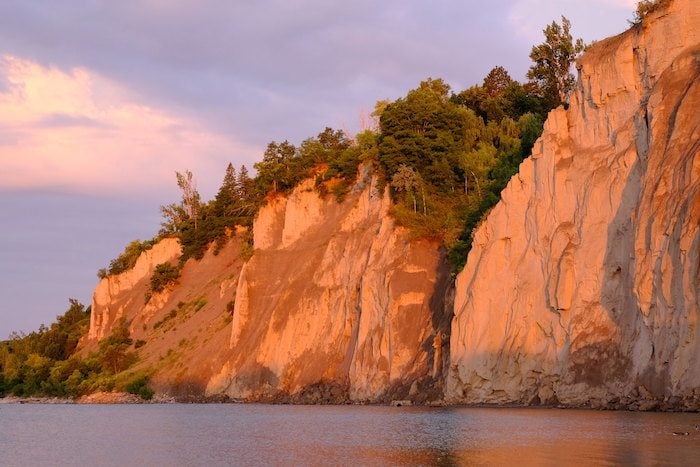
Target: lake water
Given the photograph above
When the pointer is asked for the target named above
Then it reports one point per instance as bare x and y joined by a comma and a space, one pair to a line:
230, 434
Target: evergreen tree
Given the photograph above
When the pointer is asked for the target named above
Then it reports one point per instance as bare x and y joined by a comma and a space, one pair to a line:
496, 82
228, 196
244, 184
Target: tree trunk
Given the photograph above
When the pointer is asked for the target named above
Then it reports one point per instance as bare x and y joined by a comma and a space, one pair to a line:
476, 182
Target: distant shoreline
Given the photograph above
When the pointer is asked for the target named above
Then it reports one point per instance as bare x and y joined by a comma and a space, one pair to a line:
119, 398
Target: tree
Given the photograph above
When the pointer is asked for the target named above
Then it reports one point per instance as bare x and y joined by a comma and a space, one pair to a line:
191, 202
275, 168
644, 7
332, 139
175, 215
552, 59
476, 166
245, 189
407, 180
114, 355
228, 195
496, 82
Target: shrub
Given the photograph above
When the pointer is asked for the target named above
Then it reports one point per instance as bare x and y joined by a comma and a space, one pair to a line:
163, 275
140, 387
200, 304
644, 7
127, 259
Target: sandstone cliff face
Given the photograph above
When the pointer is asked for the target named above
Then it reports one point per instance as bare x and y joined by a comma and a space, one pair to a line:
335, 304
583, 284
185, 329
114, 295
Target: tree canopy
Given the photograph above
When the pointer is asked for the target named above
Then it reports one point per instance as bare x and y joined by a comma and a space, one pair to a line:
551, 71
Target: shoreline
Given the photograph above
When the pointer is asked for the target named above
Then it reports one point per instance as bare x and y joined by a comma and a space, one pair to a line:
118, 398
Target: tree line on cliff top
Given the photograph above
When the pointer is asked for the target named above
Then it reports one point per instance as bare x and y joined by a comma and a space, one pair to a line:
444, 155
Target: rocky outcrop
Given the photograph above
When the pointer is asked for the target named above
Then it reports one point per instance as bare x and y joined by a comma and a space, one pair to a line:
117, 293
336, 304
582, 286
183, 331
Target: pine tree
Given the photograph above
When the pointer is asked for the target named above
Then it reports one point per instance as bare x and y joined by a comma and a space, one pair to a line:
228, 196
245, 190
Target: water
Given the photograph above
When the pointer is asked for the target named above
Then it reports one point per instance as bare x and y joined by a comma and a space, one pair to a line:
155, 435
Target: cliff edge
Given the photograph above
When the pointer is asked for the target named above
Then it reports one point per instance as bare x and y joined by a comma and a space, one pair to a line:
337, 304
583, 284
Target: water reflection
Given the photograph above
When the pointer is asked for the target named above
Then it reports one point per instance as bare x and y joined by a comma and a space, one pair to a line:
347, 435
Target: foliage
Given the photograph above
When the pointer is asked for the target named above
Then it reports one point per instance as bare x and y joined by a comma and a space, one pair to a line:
448, 156
645, 7
127, 259
551, 71
445, 156
163, 275
188, 210
46, 362
140, 387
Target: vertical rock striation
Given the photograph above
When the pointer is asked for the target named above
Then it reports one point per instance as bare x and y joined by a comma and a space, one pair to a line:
335, 304
583, 284
116, 295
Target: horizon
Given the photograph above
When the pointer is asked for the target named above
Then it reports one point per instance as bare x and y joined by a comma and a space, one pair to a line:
92, 131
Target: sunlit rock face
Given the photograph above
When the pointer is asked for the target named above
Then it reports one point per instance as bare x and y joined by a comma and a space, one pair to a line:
116, 295
336, 303
582, 286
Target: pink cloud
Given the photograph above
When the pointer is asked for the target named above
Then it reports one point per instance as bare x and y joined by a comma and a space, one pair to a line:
76, 130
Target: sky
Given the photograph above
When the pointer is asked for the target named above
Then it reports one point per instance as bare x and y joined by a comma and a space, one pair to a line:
102, 101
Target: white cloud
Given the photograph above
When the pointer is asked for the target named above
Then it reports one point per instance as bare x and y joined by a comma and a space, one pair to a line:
78, 131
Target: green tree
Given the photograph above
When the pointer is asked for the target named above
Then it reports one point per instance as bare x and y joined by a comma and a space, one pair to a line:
408, 181
114, 352
476, 166
163, 275
552, 59
497, 81
275, 169
187, 211
227, 199
644, 7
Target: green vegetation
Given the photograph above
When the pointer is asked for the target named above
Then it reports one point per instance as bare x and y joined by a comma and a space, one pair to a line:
199, 304
46, 363
163, 275
644, 7
171, 315
552, 59
139, 386
445, 155
127, 259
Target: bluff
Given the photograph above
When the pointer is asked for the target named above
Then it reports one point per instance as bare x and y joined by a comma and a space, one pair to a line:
335, 304
583, 284
582, 287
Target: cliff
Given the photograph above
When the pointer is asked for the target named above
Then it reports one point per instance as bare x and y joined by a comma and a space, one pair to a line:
582, 286
336, 304
185, 328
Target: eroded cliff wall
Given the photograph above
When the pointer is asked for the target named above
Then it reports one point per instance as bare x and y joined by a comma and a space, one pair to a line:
582, 286
185, 329
336, 304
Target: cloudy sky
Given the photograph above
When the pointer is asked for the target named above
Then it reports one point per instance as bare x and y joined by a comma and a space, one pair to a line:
101, 101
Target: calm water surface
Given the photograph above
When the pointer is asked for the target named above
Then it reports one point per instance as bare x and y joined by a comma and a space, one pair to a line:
155, 435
